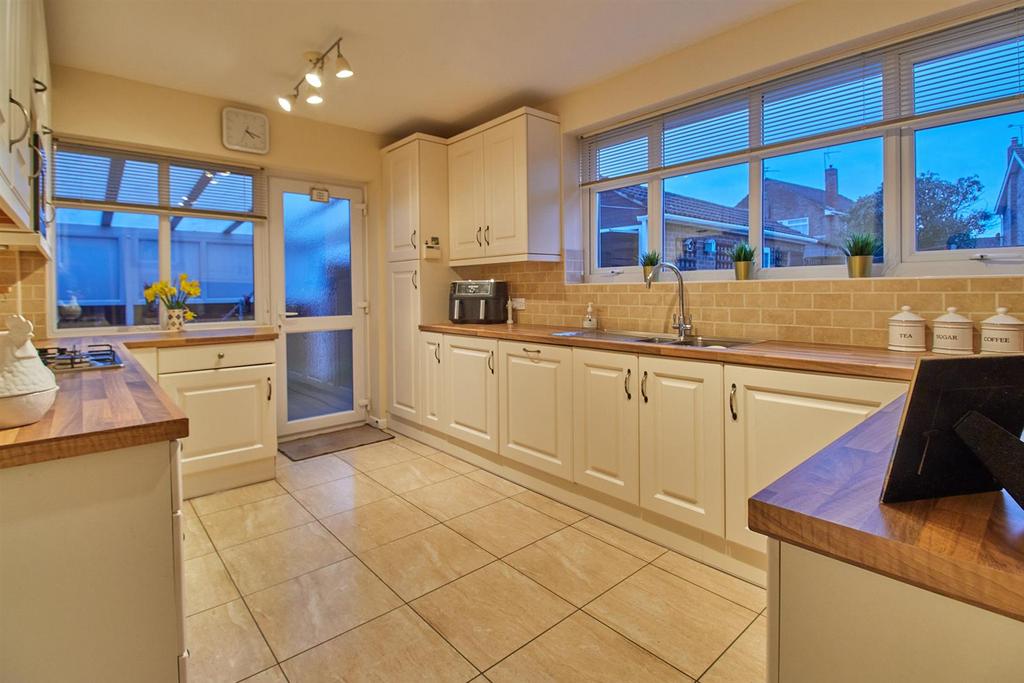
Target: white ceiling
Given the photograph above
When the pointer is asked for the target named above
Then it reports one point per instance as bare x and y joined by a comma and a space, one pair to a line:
430, 65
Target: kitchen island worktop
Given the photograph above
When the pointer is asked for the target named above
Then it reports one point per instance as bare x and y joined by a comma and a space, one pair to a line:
103, 410
854, 361
970, 548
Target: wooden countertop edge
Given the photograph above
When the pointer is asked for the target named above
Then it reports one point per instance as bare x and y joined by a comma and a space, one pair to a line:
963, 581
262, 334
785, 359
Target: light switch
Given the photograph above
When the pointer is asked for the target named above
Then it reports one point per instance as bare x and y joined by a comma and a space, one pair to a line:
518, 303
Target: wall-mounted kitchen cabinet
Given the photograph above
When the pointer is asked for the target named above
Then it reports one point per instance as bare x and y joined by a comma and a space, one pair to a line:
471, 390
503, 191
776, 420
535, 404
416, 197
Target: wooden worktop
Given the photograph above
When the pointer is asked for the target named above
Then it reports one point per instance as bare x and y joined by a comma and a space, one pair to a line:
856, 361
970, 548
102, 410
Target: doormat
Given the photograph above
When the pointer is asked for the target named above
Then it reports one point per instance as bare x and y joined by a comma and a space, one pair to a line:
343, 439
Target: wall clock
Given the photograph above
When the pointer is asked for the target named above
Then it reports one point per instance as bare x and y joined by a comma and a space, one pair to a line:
245, 131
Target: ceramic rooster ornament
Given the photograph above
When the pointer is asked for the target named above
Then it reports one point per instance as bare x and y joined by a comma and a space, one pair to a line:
27, 387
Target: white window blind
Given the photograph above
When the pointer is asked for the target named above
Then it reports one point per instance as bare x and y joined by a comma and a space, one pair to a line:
97, 177
706, 131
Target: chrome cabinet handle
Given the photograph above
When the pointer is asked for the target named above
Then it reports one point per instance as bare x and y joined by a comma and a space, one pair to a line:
220, 355
732, 403
643, 386
629, 375
11, 142
38, 86
479, 243
412, 239
270, 388
526, 350
39, 158
490, 362
437, 353
487, 235
415, 279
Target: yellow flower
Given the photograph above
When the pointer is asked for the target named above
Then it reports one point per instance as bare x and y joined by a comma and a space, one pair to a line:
148, 293
189, 315
182, 277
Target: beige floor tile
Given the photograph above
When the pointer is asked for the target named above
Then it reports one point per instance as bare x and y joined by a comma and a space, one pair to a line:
312, 608
216, 502
502, 486
196, 542
274, 675
414, 474
253, 520
207, 584
278, 557
747, 594
306, 473
398, 646
551, 508
415, 446
452, 497
376, 456
621, 539
745, 660
425, 560
332, 497
373, 525
574, 565
224, 645
583, 649
451, 462
491, 613
682, 623
505, 526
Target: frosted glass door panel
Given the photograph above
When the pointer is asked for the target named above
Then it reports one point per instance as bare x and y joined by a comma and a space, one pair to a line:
317, 256
319, 373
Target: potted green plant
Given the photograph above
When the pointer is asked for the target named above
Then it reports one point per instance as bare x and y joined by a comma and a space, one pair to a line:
650, 260
742, 260
860, 249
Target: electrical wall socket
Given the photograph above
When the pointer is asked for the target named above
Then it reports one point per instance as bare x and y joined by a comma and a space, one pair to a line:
518, 303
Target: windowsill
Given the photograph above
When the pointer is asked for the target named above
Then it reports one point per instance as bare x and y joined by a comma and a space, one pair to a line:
147, 329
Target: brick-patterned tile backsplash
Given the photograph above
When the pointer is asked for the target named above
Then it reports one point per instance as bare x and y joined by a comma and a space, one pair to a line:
843, 311
25, 273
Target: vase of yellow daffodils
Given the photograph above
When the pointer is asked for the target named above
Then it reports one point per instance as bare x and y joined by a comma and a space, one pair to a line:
174, 299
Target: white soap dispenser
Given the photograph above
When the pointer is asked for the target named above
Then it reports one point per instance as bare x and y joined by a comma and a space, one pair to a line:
589, 321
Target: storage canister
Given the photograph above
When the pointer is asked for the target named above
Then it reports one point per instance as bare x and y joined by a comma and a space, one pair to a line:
906, 331
953, 334
1002, 333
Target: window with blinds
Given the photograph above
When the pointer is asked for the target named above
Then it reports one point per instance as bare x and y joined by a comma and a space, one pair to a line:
96, 177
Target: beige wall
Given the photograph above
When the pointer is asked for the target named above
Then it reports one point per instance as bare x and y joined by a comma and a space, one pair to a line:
23, 287
114, 109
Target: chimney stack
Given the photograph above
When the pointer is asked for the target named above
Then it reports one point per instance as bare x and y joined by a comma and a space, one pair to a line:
1014, 145
831, 186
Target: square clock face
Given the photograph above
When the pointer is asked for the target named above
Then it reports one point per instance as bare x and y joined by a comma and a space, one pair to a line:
245, 131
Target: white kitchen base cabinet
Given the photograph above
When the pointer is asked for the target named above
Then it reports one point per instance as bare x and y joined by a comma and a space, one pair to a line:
681, 465
605, 423
471, 390
535, 386
403, 294
232, 437
777, 419
433, 411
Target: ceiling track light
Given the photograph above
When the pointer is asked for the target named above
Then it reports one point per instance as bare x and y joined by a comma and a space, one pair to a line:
314, 75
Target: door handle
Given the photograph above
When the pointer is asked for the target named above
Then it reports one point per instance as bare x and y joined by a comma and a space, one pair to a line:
415, 282
487, 235
732, 403
437, 353
643, 386
412, 239
38, 86
270, 388
629, 375
478, 231
39, 160
11, 142
537, 351
490, 362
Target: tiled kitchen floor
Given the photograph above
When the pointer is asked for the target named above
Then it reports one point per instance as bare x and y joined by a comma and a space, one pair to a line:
395, 562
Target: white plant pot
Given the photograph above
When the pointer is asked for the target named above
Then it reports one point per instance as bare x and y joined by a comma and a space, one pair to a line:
16, 411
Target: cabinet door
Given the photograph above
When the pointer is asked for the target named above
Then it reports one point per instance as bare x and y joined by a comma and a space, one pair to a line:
466, 198
432, 408
19, 36
682, 461
471, 390
505, 228
401, 194
535, 404
230, 412
404, 299
775, 420
605, 415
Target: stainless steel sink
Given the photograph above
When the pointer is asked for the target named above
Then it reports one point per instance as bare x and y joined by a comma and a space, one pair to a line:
695, 341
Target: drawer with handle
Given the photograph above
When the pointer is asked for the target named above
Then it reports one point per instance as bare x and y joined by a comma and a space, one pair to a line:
214, 356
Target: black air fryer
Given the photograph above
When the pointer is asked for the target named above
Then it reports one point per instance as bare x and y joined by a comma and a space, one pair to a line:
477, 301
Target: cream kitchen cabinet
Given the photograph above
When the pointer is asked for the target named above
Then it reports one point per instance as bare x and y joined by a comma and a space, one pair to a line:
471, 390
21, 30
681, 464
535, 388
415, 195
776, 420
605, 423
503, 190
432, 406
404, 295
